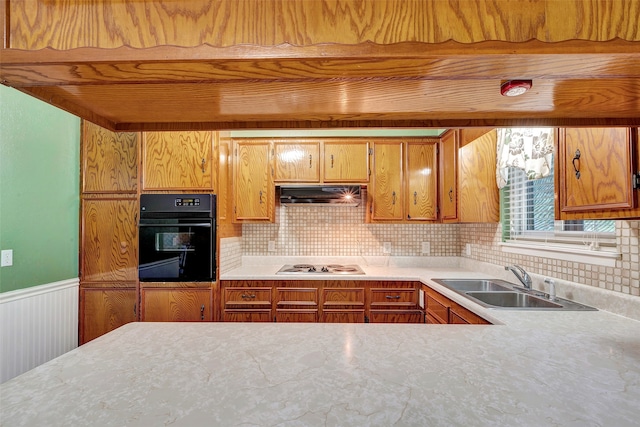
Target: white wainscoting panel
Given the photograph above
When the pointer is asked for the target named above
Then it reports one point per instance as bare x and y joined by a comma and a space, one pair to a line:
37, 324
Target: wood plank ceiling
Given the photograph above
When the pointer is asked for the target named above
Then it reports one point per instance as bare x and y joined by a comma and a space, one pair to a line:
167, 65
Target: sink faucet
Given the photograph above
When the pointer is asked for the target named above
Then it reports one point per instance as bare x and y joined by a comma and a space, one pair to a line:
522, 275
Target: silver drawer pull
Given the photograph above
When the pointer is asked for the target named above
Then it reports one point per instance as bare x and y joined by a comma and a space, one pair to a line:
393, 296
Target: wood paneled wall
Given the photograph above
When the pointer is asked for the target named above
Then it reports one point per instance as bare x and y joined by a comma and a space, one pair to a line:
68, 24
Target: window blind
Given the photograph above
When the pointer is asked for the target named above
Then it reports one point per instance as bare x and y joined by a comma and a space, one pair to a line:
527, 208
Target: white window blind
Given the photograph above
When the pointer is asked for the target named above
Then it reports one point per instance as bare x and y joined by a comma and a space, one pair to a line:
528, 215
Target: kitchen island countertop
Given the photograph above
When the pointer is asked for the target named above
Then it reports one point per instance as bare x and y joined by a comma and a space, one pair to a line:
533, 369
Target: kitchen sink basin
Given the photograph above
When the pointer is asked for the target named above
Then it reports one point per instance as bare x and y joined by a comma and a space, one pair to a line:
500, 294
512, 299
475, 285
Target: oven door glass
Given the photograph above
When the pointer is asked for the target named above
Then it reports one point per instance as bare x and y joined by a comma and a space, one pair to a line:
176, 250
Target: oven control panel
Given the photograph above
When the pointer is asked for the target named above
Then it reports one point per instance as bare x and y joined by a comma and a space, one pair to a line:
192, 201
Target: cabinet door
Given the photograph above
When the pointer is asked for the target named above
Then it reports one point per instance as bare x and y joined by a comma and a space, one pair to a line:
437, 307
295, 304
422, 181
105, 309
448, 171
236, 315
396, 316
176, 305
456, 319
109, 160
387, 201
297, 162
342, 316
346, 161
254, 189
177, 161
479, 194
109, 242
603, 158
343, 305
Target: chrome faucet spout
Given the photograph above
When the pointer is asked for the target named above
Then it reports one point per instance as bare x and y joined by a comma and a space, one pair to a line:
522, 275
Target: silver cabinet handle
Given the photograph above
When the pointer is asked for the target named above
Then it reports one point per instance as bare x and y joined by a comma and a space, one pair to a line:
415, 197
392, 296
310, 160
332, 161
393, 198
260, 196
203, 163
202, 312
451, 194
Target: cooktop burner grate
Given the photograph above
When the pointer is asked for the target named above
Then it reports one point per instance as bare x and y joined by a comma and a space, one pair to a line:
320, 269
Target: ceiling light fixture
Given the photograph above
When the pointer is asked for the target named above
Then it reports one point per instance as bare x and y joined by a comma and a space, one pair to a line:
515, 87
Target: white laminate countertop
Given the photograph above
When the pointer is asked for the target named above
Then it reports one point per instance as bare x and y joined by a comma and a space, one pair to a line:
534, 369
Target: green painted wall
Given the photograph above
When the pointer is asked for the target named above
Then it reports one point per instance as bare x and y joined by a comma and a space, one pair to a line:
39, 191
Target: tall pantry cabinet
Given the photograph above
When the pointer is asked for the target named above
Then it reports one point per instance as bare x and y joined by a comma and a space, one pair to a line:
108, 231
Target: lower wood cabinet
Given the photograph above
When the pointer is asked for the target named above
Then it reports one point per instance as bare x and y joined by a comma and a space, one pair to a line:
242, 302
442, 310
395, 303
343, 302
176, 305
103, 309
296, 304
329, 301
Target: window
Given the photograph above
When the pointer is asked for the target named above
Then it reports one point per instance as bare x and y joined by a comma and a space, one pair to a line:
528, 216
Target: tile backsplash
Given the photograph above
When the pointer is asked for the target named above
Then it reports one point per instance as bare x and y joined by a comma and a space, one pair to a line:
624, 277
341, 231
323, 231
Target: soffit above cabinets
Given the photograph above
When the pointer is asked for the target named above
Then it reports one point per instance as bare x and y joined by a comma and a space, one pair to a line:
339, 73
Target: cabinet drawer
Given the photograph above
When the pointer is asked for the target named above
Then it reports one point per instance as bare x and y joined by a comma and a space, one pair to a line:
396, 316
247, 297
394, 297
297, 297
301, 315
342, 297
247, 316
342, 316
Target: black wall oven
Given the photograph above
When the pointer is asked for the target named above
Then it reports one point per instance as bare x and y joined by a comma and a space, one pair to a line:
177, 237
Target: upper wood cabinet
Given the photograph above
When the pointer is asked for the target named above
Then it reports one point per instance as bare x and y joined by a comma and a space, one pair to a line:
404, 180
594, 170
346, 161
479, 195
448, 172
297, 161
253, 184
109, 242
386, 192
178, 161
422, 180
109, 160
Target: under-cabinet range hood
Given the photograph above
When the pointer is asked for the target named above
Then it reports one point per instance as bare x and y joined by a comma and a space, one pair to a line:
321, 195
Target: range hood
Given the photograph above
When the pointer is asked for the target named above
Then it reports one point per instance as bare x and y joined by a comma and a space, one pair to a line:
321, 195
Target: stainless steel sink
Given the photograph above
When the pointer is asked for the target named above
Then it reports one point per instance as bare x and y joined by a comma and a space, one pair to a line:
475, 285
496, 293
512, 299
